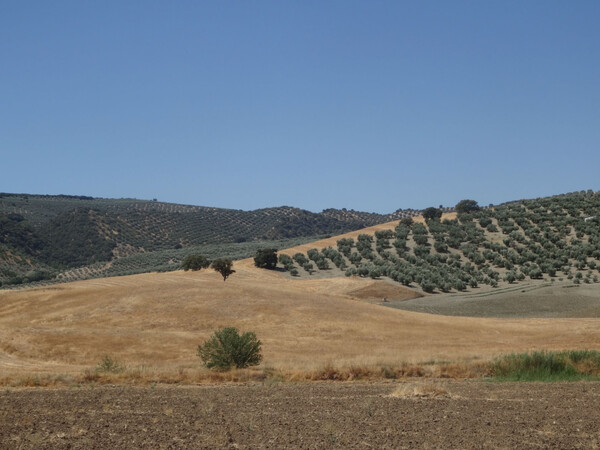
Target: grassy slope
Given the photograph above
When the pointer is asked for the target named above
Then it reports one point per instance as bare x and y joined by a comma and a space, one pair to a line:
157, 320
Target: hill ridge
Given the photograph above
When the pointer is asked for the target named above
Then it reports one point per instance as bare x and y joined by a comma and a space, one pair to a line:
77, 236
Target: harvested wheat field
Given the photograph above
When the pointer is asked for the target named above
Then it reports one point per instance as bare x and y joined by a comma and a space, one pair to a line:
152, 324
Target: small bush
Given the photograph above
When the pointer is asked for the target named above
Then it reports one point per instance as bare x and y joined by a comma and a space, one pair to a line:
109, 365
227, 349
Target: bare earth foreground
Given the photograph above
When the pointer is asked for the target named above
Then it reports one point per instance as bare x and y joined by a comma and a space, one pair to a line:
453, 414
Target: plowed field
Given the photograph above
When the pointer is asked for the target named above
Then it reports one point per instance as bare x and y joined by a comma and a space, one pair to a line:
316, 415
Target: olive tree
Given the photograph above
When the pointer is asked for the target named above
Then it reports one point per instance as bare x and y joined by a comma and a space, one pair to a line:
266, 258
224, 266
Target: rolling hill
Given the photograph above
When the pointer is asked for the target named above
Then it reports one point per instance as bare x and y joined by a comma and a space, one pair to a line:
75, 237
152, 323
311, 323
538, 241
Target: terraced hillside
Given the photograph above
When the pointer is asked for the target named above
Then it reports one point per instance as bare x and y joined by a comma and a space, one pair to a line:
548, 239
43, 235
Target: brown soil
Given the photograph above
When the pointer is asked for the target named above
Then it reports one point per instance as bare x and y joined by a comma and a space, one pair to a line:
317, 415
379, 290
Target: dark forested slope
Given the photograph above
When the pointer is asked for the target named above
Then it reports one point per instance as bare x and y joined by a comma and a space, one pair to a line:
39, 232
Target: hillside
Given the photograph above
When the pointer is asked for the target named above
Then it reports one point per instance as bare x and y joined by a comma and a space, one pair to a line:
152, 323
44, 236
546, 240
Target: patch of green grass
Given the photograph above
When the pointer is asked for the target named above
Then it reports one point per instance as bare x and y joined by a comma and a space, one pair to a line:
572, 365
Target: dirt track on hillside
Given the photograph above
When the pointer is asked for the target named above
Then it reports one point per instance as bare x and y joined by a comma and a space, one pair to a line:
314, 415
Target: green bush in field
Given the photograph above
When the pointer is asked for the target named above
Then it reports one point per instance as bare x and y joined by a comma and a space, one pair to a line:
227, 349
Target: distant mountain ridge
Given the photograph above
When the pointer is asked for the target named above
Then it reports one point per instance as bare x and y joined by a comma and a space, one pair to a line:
49, 233
39, 208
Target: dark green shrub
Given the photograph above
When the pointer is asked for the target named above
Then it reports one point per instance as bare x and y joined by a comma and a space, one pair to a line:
195, 262
355, 258
492, 228
322, 264
420, 239
300, 258
402, 231
419, 228
407, 221
440, 247
288, 263
466, 206
227, 348
308, 267
266, 258
345, 246
223, 266
510, 276
432, 213
421, 250
427, 286
286, 260
384, 234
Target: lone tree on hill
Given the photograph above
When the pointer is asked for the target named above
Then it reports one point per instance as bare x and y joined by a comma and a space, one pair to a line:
195, 262
432, 213
223, 266
466, 206
266, 258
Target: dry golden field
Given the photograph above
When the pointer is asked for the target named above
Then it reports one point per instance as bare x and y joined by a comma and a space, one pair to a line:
154, 322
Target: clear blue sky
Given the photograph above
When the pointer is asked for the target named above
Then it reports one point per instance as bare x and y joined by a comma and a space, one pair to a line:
370, 105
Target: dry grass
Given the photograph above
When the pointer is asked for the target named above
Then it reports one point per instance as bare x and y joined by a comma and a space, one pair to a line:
310, 329
195, 375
